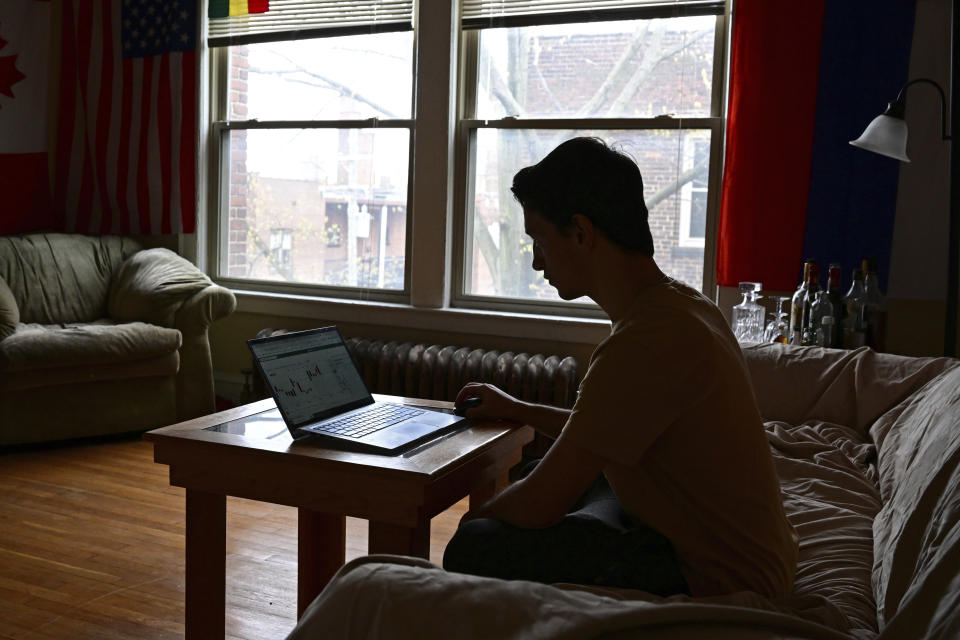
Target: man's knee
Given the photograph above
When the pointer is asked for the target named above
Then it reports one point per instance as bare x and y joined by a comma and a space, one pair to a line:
470, 546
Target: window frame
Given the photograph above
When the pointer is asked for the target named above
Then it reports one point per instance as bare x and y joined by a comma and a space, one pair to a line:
465, 139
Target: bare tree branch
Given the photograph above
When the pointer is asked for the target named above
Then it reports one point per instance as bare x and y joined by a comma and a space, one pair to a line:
502, 93
327, 81
489, 251
647, 65
626, 58
668, 190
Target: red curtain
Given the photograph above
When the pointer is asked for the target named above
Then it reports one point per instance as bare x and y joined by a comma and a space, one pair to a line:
774, 62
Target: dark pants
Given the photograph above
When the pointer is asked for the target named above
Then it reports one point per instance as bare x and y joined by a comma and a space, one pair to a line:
594, 544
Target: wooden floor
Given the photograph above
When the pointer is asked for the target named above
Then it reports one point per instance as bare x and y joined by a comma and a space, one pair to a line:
92, 546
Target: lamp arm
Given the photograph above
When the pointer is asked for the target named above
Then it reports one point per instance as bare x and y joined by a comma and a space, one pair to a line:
943, 103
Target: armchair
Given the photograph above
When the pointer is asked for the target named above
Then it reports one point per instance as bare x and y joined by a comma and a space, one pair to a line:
100, 336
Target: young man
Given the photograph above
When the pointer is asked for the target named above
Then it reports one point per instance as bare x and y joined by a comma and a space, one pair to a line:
660, 477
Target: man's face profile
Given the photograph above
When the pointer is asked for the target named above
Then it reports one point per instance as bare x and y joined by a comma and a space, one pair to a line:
553, 253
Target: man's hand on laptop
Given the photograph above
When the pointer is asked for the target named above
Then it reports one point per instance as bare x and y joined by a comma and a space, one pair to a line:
494, 403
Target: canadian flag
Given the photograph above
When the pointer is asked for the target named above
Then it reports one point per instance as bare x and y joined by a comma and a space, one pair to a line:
25, 59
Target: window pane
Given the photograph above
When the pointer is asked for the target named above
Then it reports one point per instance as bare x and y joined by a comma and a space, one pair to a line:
323, 79
630, 68
318, 206
499, 253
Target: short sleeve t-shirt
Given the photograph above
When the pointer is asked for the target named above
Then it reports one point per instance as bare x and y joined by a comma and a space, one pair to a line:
667, 403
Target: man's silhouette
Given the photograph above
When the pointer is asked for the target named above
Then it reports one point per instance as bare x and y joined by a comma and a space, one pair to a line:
660, 477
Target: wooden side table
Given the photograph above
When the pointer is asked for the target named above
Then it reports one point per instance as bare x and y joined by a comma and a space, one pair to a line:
247, 452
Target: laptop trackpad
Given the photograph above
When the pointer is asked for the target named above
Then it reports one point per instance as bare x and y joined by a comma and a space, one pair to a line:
399, 435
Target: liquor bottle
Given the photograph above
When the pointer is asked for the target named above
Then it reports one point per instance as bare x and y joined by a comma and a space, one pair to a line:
819, 310
825, 336
747, 317
854, 328
807, 327
875, 313
796, 305
835, 295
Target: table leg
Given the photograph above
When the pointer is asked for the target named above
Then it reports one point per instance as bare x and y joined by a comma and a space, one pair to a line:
321, 550
206, 565
400, 540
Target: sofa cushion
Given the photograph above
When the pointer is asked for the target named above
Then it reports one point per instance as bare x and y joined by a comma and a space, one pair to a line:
152, 285
917, 532
61, 278
853, 388
9, 312
37, 347
166, 365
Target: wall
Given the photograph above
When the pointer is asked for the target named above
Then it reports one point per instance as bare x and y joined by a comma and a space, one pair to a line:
919, 257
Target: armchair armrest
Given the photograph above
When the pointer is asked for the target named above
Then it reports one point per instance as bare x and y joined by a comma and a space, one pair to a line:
161, 287
202, 308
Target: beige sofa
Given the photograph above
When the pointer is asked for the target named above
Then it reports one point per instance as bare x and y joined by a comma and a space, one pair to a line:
99, 336
867, 449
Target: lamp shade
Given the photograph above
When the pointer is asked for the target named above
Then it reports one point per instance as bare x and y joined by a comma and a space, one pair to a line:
886, 135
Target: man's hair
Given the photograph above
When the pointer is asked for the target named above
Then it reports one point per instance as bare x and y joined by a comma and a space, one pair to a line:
585, 176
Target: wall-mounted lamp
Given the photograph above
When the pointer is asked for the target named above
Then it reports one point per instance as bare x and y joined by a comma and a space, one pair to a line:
887, 135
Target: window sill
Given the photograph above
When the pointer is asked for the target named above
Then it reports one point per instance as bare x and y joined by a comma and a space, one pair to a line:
587, 331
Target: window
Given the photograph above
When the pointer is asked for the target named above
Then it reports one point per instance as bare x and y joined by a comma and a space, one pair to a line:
313, 129
645, 85
314, 139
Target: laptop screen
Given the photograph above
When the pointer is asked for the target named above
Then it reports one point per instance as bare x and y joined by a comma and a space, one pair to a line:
311, 373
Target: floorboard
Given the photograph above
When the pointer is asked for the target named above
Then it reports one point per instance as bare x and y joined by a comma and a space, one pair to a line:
92, 546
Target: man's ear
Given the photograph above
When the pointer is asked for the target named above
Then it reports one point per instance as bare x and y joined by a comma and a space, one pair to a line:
583, 230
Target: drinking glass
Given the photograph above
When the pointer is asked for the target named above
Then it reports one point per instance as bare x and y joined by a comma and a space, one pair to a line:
778, 327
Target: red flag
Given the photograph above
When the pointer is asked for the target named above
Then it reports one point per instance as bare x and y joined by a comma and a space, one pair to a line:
765, 99
24, 60
127, 123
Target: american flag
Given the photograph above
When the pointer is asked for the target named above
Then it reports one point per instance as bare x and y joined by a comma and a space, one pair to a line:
127, 124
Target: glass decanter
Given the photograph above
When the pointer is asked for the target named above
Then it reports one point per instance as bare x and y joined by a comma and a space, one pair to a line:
747, 320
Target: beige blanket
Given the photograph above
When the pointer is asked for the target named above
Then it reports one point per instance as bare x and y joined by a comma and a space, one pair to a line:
827, 461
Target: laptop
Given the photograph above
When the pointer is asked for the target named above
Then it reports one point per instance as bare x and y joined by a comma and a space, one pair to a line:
322, 396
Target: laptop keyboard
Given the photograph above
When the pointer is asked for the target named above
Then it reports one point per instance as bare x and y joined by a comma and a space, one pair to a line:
364, 423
